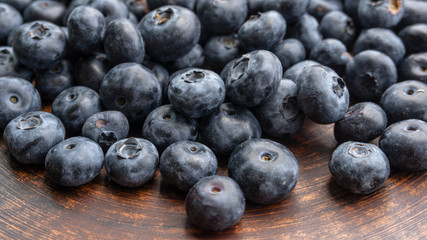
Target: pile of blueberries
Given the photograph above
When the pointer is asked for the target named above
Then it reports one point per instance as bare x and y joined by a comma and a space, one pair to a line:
194, 80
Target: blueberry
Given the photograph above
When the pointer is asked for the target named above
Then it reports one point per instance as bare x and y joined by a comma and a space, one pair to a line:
266, 171
290, 9
369, 74
215, 203
10, 19
414, 67
111, 9
219, 50
131, 162
322, 95
162, 75
164, 126
193, 59
415, 38
169, 32
350, 7
405, 144
224, 129
253, 78
106, 128
137, 7
306, 30
363, 122
290, 52
295, 70
165, 84
221, 17
280, 116
39, 44
382, 40
339, 25
360, 168
20, 5
196, 92
10, 66
123, 33
415, 12
74, 105
131, 89
74, 162
31, 135
268, 27
48, 10
380, 13
51, 82
90, 70
17, 96
184, 163
331, 53
86, 29
319, 8
153, 4
405, 100
226, 68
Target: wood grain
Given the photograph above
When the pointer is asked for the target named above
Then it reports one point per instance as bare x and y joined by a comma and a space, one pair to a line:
31, 207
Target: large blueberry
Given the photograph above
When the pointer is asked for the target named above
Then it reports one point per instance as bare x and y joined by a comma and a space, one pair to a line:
266, 171
10, 65
48, 10
131, 162
51, 82
10, 19
415, 38
360, 168
338, 25
253, 78
219, 50
322, 95
290, 52
184, 163
74, 162
331, 53
306, 30
17, 96
295, 70
90, 70
131, 89
383, 13
31, 135
414, 67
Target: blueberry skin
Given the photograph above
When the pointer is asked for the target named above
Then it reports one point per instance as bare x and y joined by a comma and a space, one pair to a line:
255, 6
106, 128
39, 44
382, 40
138, 8
338, 25
196, 92
221, 17
385, 13
226, 68
219, 50
322, 95
265, 170
289, 51
405, 100
90, 70
31, 135
10, 65
295, 70
164, 126
215, 203
291, 10
123, 33
169, 32
17, 96
331, 53
190, 4
262, 31
86, 29
369, 74
363, 122
74, 105
280, 116
10, 19
253, 78
415, 12
184, 163
51, 82
415, 38
131, 162
414, 67
18, 4
405, 144
74, 162
306, 29
162, 75
131, 89
360, 168
52, 11
110, 9
226, 128
319, 8
193, 59
165, 84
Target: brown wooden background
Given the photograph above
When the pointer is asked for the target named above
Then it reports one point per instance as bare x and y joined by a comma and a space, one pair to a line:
32, 208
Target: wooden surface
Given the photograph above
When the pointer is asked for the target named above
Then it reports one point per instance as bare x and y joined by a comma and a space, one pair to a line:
32, 208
